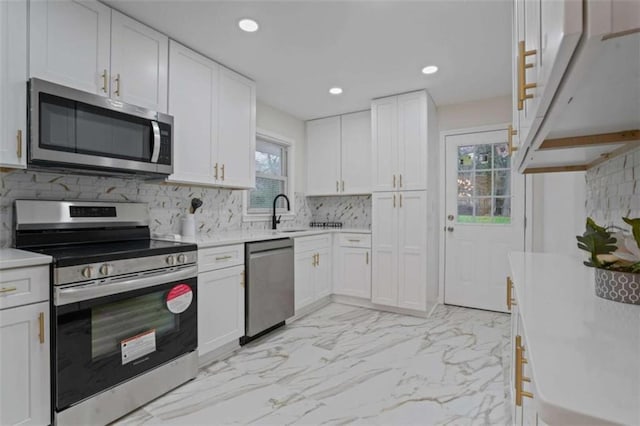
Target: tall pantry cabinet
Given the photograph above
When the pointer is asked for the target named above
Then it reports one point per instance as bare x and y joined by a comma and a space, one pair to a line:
403, 127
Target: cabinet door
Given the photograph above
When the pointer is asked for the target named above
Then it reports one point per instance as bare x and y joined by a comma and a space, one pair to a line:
356, 153
193, 87
323, 156
384, 148
322, 274
304, 272
24, 365
412, 141
353, 272
384, 234
139, 62
13, 79
220, 308
236, 130
412, 250
69, 43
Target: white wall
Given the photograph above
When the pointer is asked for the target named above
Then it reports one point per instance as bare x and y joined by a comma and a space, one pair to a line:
475, 113
284, 124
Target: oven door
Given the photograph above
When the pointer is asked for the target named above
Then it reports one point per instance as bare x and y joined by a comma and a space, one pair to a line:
107, 340
70, 128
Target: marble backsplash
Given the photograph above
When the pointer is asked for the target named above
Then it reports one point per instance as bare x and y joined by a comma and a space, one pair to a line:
221, 209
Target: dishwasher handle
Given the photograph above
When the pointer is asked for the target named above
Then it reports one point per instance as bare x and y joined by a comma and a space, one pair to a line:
271, 252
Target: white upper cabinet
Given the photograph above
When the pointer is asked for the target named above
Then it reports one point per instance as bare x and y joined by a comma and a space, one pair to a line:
338, 152
193, 94
86, 45
70, 43
214, 112
356, 153
139, 61
236, 130
399, 133
323, 156
13, 88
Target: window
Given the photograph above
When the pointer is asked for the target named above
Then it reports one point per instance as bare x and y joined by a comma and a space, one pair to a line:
272, 175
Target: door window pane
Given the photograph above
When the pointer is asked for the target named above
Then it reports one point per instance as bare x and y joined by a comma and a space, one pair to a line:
484, 184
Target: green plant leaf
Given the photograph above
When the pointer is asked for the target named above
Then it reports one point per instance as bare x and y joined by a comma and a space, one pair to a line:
596, 240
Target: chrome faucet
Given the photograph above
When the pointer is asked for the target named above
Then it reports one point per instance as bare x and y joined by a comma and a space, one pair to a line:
274, 221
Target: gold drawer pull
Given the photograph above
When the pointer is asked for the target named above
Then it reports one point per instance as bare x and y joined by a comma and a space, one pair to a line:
353, 241
8, 289
511, 134
41, 326
523, 86
223, 257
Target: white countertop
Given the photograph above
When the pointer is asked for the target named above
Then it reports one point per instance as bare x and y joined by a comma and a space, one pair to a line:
241, 237
14, 258
584, 351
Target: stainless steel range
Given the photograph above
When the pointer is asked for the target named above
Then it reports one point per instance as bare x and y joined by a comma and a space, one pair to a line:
124, 314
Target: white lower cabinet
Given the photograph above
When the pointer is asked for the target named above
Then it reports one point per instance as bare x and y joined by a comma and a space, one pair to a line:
220, 302
312, 269
352, 260
399, 246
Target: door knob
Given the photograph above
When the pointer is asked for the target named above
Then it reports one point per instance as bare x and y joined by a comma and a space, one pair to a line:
450, 217
449, 228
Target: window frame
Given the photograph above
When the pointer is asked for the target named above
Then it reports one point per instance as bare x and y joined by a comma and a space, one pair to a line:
255, 215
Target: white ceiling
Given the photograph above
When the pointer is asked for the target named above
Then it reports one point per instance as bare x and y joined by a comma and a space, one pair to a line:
369, 48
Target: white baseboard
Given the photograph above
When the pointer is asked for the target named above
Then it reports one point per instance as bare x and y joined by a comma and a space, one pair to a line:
365, 303
218, 354
306, 310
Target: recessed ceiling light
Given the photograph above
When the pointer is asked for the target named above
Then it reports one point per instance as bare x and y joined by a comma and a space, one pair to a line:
431, 69
335, 90
248, 25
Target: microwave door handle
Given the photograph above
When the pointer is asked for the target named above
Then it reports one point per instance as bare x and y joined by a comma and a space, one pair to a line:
156, 142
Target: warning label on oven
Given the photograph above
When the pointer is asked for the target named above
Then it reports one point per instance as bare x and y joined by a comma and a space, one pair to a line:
179, 298
138, 346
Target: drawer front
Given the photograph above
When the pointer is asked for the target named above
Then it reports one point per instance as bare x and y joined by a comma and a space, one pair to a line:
21, 286
315, 242
220, 257
355, 240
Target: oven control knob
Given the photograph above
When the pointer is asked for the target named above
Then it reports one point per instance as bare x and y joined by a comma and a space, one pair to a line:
87, 272
171, 260
182, 258
106, 269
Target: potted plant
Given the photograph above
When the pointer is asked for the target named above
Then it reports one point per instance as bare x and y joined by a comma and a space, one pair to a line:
616, 257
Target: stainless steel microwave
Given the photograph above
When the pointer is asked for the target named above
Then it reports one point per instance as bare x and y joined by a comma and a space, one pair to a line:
72, 129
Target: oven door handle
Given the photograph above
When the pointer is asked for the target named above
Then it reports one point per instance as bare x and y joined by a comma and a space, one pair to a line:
66, 295
156, 141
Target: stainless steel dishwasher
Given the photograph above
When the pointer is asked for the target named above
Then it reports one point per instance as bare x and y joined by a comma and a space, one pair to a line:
269, 290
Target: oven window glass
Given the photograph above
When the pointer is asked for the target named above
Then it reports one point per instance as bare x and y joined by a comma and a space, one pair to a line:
117, 321
72, 126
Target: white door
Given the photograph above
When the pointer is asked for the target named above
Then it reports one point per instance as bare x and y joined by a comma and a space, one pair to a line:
356, 153
484, 218
304, 271
384, 148
220, 308
412, 141
139, 63
353, 275
412, 250
69, 43
322, 278
24, 365
13, 83
236, 130
323, 156
193, 87
384, 238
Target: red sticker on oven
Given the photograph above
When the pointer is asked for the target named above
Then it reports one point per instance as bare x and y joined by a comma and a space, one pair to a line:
179, 298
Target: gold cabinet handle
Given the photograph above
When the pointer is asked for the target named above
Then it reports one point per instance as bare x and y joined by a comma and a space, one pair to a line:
105, 81
242, 279
510, 301
522, 77
519, 376
400, 200
400, 180
117, 92
19, 144
223, 257
41, 327
318, 259
342, 186
394, 201
215, 171
511, 133
367, 256
222, 172
353, 240
8, 289
394, 181
337, 186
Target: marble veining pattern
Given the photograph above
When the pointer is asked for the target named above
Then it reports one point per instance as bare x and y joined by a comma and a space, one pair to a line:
343, 365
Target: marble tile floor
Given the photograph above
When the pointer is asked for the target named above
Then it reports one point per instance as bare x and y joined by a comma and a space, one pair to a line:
348, 365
